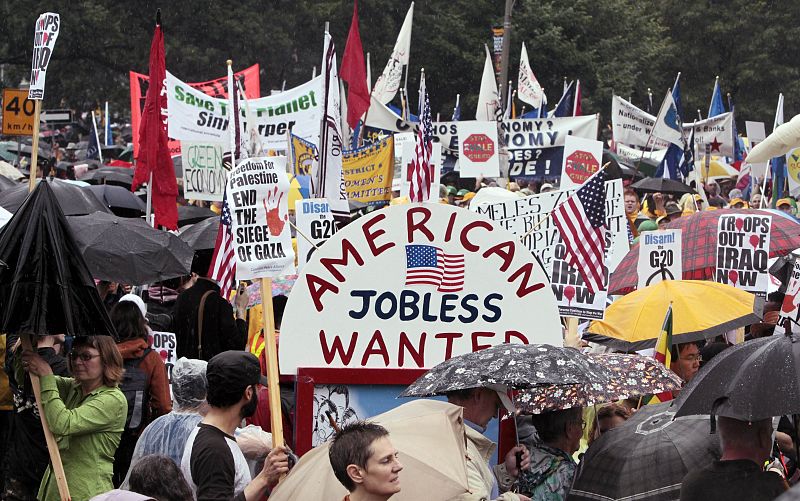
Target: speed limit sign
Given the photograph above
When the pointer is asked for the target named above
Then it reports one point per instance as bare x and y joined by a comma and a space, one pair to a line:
17, 113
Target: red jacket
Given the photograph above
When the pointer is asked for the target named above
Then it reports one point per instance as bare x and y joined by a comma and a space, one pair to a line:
156, 371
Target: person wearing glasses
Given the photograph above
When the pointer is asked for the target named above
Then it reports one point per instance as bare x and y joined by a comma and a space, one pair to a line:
686, 360
556, 438
86, 413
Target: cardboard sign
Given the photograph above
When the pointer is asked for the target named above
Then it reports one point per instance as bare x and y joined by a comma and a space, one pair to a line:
789, 319
573, 297
258, 194
659, 257
412, 285
195, 116
520, 215
582, 158
166, 345
18, 113
314, 219
793, 171
44, 40
368, 172
743, 252
479, 153
204, 176
536, 145
400, 158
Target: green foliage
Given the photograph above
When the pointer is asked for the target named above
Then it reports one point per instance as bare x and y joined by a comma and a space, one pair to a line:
612, 46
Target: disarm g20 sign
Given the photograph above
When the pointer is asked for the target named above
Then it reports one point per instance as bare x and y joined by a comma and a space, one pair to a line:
411, 286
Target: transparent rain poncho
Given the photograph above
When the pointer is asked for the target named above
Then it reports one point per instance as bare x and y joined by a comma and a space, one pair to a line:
167, 434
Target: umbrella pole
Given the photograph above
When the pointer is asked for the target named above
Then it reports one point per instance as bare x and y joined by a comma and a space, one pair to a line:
52, 446
37, 110
276, 421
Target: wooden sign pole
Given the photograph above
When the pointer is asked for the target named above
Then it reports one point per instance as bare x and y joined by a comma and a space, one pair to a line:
273, 376
37, 110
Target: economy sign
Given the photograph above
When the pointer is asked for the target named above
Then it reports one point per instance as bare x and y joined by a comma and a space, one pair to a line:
411, 286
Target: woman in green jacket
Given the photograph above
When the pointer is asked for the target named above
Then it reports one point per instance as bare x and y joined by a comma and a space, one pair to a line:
86, 414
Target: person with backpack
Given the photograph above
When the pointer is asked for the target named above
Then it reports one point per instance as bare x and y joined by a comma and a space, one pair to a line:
144, 382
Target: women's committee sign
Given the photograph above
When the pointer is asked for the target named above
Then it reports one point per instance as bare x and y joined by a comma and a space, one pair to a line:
258, 202
411, 286
743, 252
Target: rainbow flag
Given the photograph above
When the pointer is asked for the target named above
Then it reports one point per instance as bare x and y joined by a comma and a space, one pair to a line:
663, 353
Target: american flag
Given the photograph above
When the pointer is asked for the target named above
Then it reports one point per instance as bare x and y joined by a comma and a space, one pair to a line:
421, 171
581, 220
429, 265
223, 262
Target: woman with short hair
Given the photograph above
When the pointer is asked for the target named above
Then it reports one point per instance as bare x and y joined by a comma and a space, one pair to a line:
86, 413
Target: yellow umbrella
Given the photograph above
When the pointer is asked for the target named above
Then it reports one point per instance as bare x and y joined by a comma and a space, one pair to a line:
700, 309
429, 436
717, 168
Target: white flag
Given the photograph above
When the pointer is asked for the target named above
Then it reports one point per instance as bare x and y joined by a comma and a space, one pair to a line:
528, 88
488, 101
327, 170
668, 124
389, 82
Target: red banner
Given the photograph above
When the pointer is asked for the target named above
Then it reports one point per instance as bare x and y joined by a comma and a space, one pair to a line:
251, 83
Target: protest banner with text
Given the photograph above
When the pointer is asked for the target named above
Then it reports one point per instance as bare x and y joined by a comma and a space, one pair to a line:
314, 220
48, 26
573, 297
258, 194
660, 257
789, 318
204, 176
743, 252
368, 172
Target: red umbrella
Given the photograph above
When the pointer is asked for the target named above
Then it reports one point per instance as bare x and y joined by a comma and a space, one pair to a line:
699, 245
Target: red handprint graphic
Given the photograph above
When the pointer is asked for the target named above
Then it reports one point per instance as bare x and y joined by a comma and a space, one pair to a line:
272, 208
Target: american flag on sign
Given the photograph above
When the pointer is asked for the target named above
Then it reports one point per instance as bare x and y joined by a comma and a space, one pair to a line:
581, 220
421, 170
429, 265
223, 262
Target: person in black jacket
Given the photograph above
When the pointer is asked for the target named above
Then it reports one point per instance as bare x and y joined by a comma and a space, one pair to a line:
220, 330
26, 454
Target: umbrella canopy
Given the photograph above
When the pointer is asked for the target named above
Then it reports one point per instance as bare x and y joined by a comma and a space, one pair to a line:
192, 214
202, 235
9, 171
733, 382
281, 286
429, 435
45, 285
646, 457
5, 217
73, 200
509, 365
661, 185
118, 176
6, 183
699, 246
792, 494
129, 251
717, 168
701, 310
121, 201
632, 375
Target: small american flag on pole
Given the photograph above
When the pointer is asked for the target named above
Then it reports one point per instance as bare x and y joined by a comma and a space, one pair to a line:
420, 170
223, 262
581, 220
429, 265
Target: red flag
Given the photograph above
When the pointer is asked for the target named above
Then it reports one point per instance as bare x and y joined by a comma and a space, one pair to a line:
354, 72
153, 149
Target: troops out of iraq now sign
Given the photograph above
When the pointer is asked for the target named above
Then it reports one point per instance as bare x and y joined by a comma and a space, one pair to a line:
743, 252
411, 286
44, 40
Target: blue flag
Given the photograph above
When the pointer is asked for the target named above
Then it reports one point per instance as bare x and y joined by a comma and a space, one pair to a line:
676, 96
457, 109
717, 107
687, 164
669, 165
566, 105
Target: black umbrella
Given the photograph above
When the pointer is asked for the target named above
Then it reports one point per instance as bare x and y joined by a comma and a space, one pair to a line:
661, 185
732, 383
129, 251
191, 214
45, 285
629, 172
73, 200
646, 457
792, 494
120, 176
202, 235
511, 366
6, 183
121, 201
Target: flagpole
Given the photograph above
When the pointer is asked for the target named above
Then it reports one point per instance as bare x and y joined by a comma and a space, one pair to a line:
650, 135
97, 138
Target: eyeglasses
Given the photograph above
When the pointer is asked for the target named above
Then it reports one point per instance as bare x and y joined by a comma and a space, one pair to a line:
84, 356
695, 357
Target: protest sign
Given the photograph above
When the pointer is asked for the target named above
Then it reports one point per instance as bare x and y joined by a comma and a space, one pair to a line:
536, 145
573, 297
400, 158
368, 172
715, 132
44, 40
195, 116
258, 190
789, 319
520, 215
631, 155
314, 220
478, 151
166, 345
302, 155
632, 126
436, 164
582, 158
412, 285
248, 78
204, 177
793, 171
755, 134
659, 257
743, 252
